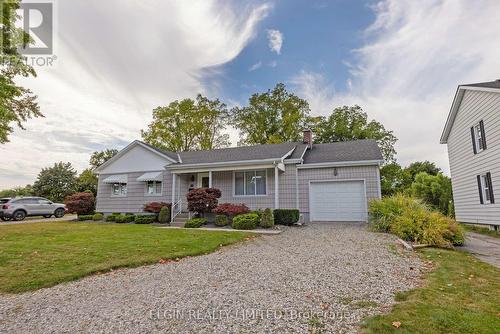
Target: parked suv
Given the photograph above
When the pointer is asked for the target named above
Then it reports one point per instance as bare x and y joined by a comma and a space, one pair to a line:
20, 207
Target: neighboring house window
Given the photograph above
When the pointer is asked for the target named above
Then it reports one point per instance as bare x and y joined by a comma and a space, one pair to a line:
250, 183
153, 188
485, 189
478, 137
119, 189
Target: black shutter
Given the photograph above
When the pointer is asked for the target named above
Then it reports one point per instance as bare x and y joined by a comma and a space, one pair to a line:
480, 189
483, 135
490, 187
473, 140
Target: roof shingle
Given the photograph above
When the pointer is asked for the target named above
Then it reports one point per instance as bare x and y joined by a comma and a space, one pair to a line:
356, 150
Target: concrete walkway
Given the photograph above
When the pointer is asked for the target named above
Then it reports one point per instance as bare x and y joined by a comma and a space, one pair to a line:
39, 220
484, 247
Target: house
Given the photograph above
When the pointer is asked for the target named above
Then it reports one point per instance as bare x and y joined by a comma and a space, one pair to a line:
472, 133
326, 182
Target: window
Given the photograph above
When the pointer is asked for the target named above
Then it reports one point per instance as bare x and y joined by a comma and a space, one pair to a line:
485, 189
153, 188
119, 189
44, 201
478, 137
250, 183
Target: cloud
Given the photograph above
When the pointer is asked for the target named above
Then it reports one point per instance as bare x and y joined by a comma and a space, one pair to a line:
407, 72
110, 75
275, 40
255, 66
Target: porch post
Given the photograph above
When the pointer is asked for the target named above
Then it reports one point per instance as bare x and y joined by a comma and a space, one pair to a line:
276, 188
173, 198
210, 179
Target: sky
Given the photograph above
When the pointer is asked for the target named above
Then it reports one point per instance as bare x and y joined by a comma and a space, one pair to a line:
400, 60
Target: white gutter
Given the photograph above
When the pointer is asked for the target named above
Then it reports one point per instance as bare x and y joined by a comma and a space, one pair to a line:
342, 164
221, 164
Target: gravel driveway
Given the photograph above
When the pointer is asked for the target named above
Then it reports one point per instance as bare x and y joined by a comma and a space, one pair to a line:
319, 277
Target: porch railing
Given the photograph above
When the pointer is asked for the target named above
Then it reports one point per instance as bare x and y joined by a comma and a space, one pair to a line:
176, 209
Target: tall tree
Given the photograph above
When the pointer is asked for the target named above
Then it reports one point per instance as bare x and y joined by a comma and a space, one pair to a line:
435, 190
275, 116
17, 191
87, 181
188, 125
57, 182
17, 104
351, 123
422, 166
99, 157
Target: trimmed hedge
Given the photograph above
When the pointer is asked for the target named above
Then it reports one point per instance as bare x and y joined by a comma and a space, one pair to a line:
164, 216
127, 218
286, 216
266, 219
411, 220
144, 219
85, 217
248, 221
195, 222
97, 217
221, 220
112, 217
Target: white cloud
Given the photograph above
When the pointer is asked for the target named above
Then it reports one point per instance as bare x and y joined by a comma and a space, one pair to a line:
255, 66
407, 73
275, 40
110, 76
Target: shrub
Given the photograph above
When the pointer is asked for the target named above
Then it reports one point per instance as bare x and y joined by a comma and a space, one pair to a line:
80, 203
112, 217
202, 200
144, 219
411, 220
126, 218
164, 216
195, 222
97, 217
85, 217
286, 216
231, 210
266, 219
221, 220
155, 207
247, 221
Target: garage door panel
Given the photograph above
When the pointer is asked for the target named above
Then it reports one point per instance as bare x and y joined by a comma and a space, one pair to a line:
337, 201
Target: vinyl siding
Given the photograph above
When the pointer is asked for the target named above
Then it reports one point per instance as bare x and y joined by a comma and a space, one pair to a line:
135, 198
368, 173
465, 165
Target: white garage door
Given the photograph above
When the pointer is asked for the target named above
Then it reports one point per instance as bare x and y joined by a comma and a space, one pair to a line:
337, 201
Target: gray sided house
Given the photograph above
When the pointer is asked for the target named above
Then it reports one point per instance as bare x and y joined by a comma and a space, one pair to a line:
326, 182
472, 133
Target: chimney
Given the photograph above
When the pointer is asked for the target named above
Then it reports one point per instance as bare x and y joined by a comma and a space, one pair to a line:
308, 137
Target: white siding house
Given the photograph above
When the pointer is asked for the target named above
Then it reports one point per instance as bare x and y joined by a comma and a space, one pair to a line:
472, 133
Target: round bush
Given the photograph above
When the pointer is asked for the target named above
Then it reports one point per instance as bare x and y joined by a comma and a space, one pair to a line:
266, 219
221, 220
97, 217
247, 221
144, 219
286, 216
195, 222
164, 216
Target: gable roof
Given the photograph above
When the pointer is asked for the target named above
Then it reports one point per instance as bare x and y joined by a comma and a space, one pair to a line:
489, 86
356, 150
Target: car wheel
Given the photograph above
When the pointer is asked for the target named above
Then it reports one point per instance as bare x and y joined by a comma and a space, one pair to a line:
47, 216
5, 219
59, 213
19, 215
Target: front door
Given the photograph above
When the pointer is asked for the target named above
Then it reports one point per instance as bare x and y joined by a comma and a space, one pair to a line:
203, 180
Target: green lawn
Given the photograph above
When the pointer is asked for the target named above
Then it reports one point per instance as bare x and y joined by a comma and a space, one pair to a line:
37, 255
482, 230
461, 295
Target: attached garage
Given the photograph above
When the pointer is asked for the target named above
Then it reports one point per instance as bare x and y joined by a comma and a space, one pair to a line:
337, 200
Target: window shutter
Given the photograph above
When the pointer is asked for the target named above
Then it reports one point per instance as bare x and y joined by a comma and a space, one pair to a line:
480, 189
490, 186
473, 140
483, 135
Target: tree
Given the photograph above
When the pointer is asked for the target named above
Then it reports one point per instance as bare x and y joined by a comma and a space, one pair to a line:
99, 157
17, 191
57, 182
272, 117
188, 125
87, 181
435, 190
17, 104
393, 179
80, 203
351, 123
422, 166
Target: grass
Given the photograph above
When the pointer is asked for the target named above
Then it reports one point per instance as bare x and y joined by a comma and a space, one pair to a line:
37, 255
461, 295
482, 230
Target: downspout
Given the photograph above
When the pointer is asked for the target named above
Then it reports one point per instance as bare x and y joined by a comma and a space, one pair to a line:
276, 186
